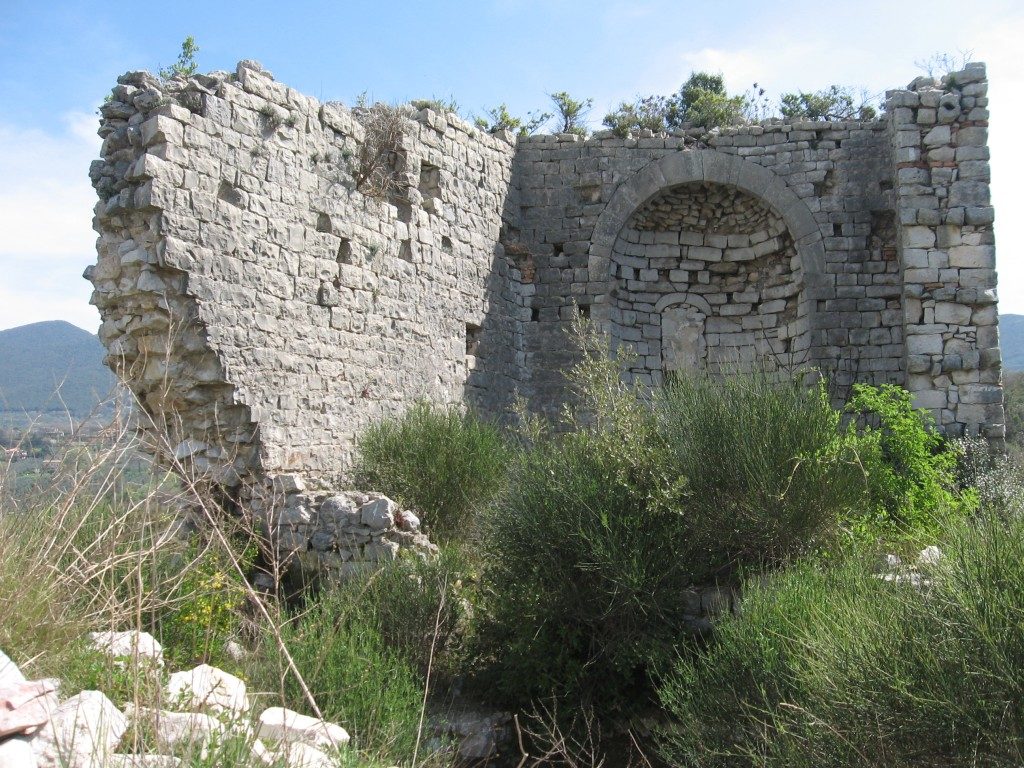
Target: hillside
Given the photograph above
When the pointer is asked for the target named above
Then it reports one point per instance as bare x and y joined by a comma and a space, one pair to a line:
52, 367
1011, 339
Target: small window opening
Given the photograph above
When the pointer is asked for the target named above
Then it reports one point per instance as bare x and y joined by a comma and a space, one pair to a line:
584, 311
405, 250
430, 186
534, 314
473, 333
323, 223
558, 248
345, 251
446, 244
837, 230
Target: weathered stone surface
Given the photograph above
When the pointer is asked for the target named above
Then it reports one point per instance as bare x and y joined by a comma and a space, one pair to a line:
285, 725
179, 730
130, 646
207, 688
82, 733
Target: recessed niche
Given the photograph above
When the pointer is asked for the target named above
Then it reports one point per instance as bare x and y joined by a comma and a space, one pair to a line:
430, 186
473, 333
345, 251
583, 310
534, 314
405, 250
446, 244
230, 195
323, 223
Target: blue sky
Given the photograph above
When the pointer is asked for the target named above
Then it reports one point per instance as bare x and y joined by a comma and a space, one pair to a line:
58, 59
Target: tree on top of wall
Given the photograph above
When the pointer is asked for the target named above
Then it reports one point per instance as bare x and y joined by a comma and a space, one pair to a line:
832, 103
186, 65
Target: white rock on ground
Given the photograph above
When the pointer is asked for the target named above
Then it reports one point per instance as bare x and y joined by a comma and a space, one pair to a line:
929, 556
9, 672
26, 707
287, 725
179, 729
209, 688
15, 751
128, 645
298, 754
82, 733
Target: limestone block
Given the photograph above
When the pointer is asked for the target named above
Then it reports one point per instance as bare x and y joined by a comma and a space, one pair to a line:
207, 688
378, 514
286, 725
129, 646
953, 314
82, 733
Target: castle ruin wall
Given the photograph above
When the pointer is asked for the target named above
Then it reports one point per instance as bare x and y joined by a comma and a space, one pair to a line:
264, 309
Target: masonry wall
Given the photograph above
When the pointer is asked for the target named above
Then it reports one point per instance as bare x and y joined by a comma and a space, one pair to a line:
264, 309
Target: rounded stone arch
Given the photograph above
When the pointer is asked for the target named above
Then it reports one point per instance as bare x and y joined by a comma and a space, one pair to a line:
708, 166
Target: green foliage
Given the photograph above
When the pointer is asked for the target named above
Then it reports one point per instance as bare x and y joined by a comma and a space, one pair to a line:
355, 675
772, 475
833, 103
442, 104
571, 113
840, 668
589, 552
442, 462
186, 65
645, 113
704, 102
500, 119
911, 471
701, 101
1013, 402
203, 611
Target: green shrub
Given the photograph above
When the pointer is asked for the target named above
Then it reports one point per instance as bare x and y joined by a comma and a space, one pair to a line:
911, 470
589, 551
203, 610
442, 462
364, 648
840, 668
771, 473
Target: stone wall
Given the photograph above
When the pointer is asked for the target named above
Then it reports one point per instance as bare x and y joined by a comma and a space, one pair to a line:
264, 308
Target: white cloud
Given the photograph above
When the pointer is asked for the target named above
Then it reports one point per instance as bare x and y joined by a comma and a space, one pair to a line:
46, 204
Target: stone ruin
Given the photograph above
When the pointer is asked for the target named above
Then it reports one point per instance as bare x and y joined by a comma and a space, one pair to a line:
264, 308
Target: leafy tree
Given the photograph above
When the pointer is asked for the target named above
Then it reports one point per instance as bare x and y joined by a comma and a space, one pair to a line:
701, 101
572, 113
648, 112
833, 103
186, 65
500, 119
704, 102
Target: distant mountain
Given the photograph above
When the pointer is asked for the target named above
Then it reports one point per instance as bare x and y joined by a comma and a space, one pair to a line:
52, 367
1011, 339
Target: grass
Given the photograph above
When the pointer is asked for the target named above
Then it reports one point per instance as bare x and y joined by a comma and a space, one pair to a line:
832, 666
102, 554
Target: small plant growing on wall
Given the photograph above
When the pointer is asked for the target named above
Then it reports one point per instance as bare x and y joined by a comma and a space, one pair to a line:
186, 65
572, 113
375, 172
